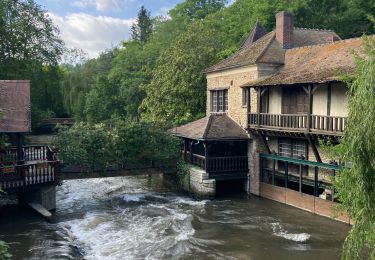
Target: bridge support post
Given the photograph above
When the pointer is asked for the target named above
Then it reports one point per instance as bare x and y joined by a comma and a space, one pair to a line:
44, 195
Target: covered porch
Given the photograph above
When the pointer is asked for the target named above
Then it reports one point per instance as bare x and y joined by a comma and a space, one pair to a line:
215, 144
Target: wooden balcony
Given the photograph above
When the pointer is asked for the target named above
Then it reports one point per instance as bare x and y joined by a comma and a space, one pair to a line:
36, 166
220, 167
314, 124
14, 176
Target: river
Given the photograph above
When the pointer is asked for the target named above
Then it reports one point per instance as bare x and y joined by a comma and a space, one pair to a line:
138, 218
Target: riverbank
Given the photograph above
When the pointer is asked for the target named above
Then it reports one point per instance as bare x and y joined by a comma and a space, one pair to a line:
138, 217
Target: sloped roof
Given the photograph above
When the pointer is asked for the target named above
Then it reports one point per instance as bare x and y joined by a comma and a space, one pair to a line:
250, 53
304, 36
212, 127
245, 56
314, 64
257, 32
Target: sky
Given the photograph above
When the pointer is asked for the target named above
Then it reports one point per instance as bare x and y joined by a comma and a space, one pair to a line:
96, 25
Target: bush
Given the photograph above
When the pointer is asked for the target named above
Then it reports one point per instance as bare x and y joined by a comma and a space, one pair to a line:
99, 145
4, 251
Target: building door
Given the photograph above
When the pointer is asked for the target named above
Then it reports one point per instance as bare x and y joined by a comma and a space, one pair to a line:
294, 100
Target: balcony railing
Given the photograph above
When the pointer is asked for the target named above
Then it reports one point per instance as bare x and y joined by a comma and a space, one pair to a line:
219, 164
30, 153
298, 122
14, 176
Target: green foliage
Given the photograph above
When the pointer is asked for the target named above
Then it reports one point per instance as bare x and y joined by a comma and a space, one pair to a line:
86, 145
142, 29
176, 93
99, 145
356, 185
4, 251
183, 170
196, 9
30, 48
80, 79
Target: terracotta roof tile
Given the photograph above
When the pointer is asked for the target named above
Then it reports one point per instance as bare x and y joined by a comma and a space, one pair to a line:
212, 127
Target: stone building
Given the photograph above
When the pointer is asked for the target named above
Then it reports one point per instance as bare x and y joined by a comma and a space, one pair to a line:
284, 89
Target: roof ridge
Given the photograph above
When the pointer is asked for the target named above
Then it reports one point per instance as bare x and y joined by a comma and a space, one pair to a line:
313, 29
327, 43
265, 48
235, 121
208, 126
256, 33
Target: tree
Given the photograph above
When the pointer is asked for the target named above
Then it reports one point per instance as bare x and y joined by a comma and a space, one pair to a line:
177, 92
30, 48
142, 29
356, 185
196, 9
28, 36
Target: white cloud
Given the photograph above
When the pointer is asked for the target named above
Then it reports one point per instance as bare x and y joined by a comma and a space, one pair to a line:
163, 11
83, 3
92, 34
104, 5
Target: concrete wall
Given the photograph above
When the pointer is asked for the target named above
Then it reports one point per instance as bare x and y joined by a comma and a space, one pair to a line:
302, 201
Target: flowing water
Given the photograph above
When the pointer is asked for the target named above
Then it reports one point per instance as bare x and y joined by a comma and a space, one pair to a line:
132, 218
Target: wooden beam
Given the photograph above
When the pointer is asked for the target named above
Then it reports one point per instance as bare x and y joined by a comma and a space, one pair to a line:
259, 97
329, 96
309, 102
205, 156
19, 143
314, 148
248, 108
268, 100
264, 141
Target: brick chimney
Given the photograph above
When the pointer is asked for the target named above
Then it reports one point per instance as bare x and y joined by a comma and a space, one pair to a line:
284, 29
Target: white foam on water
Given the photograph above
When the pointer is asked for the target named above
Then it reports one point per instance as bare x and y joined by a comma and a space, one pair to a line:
159, 227
278, 230
133, 197
189, 201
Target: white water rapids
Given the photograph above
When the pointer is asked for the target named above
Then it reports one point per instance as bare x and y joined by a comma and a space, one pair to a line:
128, 218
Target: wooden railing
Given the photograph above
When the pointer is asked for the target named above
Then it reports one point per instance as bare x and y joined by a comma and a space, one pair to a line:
227, 164
30, 153
328, 123
219, 164
298, 122
28, 174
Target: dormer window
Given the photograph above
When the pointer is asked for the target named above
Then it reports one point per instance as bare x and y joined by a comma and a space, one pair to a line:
219, 100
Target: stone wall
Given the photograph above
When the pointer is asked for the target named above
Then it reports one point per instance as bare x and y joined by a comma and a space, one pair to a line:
232, 80
198, 183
